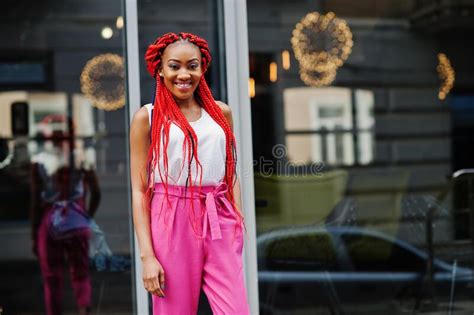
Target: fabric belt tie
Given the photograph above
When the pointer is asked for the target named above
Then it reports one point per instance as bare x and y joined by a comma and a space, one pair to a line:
212, 216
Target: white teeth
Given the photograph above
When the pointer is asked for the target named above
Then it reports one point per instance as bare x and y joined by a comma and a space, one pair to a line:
183, 85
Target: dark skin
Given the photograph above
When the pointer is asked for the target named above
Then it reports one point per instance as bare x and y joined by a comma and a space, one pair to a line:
181, 71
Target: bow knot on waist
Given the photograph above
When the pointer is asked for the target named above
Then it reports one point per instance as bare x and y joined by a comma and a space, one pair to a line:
219, 191
209, 193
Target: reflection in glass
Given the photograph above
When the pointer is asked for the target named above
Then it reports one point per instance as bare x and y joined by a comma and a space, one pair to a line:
320, 126
62, 182
384, 225
45, 167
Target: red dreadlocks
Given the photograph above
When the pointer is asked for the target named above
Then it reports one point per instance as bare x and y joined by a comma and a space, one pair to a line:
166, 111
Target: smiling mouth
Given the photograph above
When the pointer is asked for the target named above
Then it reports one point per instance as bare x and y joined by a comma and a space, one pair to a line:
183, 85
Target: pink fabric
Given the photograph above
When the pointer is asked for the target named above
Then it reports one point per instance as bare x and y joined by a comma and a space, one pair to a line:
51, 255
198, 248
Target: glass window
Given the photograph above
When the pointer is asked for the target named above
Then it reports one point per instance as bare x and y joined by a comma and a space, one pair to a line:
362, 120
324, 129
372, 254
300, 252
64, 213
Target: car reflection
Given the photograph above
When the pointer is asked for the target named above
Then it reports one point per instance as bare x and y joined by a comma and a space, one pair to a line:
337, 266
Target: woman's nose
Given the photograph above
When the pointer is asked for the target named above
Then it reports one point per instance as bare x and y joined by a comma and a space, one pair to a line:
184, 74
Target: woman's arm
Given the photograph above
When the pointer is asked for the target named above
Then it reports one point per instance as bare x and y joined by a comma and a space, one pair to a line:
228, 115
237, 196
139, 146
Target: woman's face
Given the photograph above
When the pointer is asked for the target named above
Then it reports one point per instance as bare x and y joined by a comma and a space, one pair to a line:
181, 69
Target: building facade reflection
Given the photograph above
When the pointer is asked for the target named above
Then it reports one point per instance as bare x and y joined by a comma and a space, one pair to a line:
364, 217
63, 182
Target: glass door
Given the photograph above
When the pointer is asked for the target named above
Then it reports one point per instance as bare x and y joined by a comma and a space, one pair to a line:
63, 135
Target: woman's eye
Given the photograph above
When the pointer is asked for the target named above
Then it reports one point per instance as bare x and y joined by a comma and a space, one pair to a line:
174, 67
194, 66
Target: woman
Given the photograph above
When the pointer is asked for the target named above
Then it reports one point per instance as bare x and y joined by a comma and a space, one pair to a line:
56, 183
186, 196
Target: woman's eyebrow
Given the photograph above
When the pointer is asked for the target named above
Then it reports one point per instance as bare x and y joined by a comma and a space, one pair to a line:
194, 59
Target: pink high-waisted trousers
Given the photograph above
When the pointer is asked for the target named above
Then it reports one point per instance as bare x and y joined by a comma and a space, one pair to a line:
198, 250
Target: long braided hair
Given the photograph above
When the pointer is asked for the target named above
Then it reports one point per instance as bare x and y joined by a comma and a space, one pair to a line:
166, 112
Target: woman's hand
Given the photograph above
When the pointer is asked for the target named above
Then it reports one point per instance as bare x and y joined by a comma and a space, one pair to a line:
153, 276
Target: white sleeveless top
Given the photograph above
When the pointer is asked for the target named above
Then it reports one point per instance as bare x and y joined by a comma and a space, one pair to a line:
211, 152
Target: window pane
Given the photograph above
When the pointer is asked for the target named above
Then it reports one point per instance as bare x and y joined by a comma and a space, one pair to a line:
301, 252
363, 128
63, 140
375, 254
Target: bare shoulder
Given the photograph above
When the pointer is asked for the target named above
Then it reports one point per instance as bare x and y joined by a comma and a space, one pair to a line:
140, 123
140, 116
226, 110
